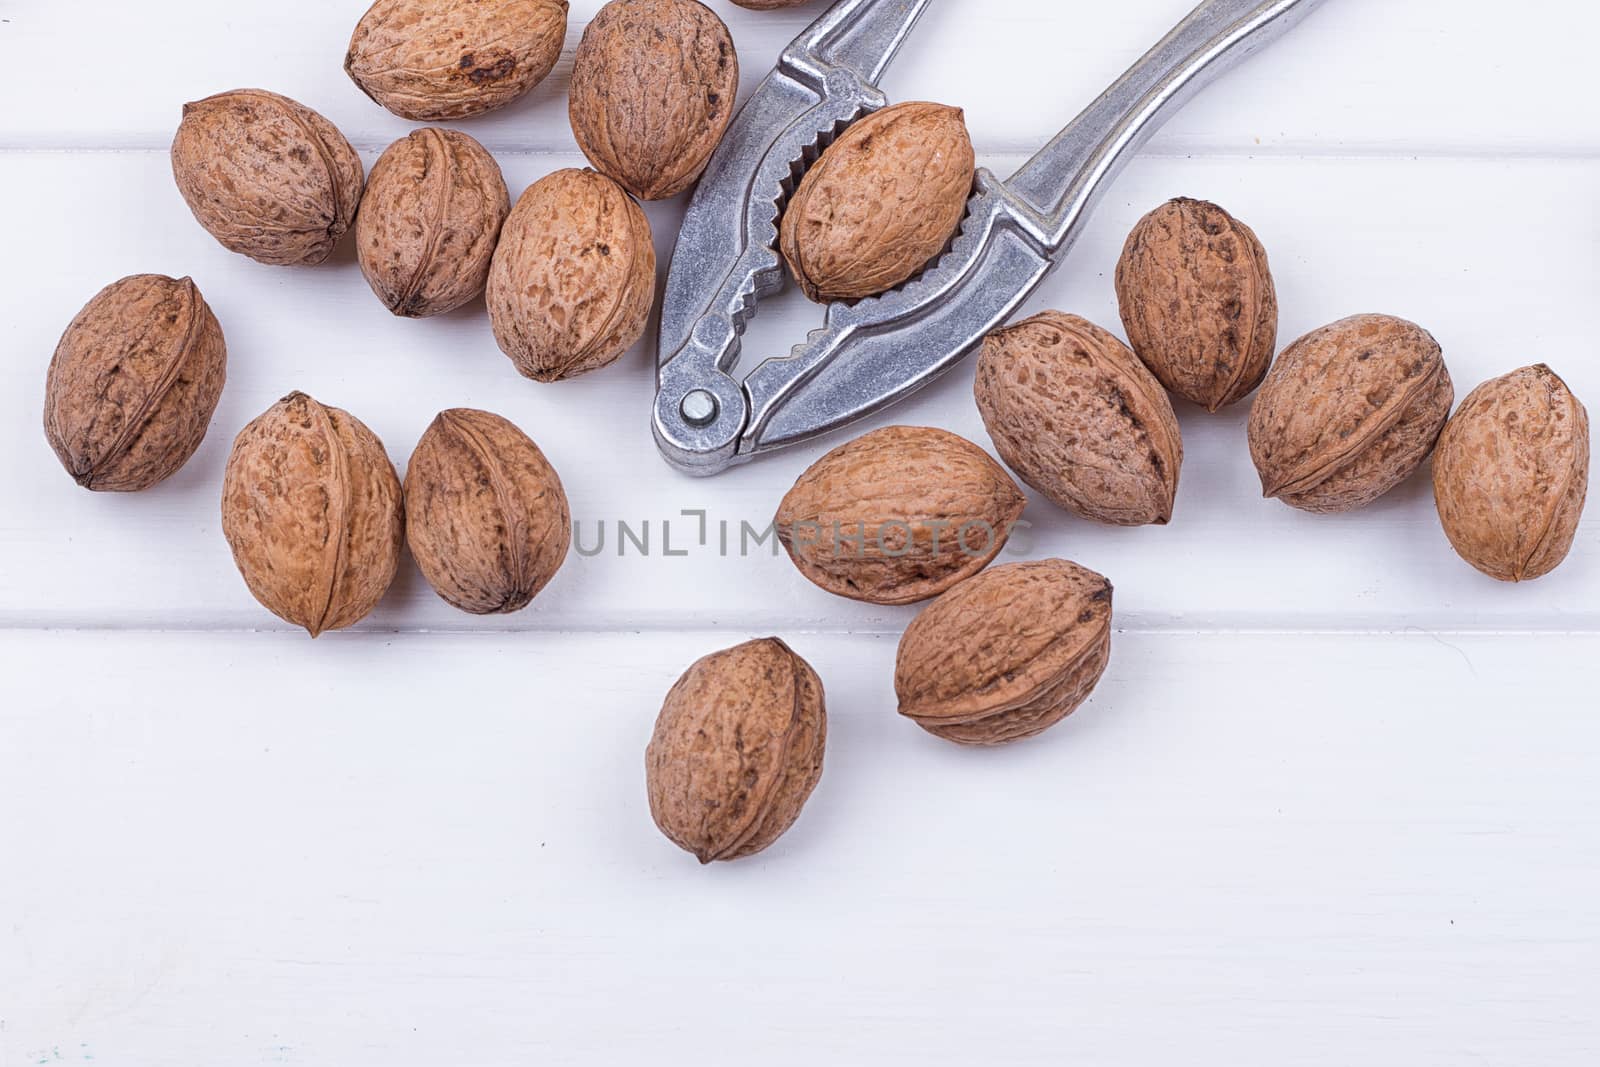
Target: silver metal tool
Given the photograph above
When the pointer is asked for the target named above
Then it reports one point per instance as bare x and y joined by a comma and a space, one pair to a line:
874, 352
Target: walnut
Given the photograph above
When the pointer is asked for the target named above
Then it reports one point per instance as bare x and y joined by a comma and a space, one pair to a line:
653, 88
898, 515
134, 383
1080, 419
881, 202
486, 517
737, 750
1349, 412
311, 508
1511, 474
574, 276
437, 60
267, 177
429, 222
1198, 302
1006, 655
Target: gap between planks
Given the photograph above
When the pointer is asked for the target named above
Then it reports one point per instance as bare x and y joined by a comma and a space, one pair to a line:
567, 630
1179, 149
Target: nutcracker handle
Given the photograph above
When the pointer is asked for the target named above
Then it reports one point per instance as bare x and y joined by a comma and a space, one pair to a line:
1063, 182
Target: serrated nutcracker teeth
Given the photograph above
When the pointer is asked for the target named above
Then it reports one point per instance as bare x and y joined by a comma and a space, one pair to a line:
766, 277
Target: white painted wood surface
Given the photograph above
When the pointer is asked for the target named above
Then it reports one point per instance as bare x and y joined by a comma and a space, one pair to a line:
1334, 803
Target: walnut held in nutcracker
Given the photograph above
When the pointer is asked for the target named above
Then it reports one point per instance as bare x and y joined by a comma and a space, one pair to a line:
737, 750
311, 508
1198, 302
898, 515
1511, 474
429, 222
880, 203
573, 278
653, 86
1080, 419
486, 517
267, 177
436, 60
1348, 412
1006, 655
134, 382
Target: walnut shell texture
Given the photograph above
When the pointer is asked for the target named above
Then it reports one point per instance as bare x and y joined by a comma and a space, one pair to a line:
429, 222
653, 88
574, 276
1198, 302
880, 203
1072, 410
1006, 655
134, 383
1348, 412
1511, 474
437, 60
898, 515
486, 517
267, 177
737, 750
311, 507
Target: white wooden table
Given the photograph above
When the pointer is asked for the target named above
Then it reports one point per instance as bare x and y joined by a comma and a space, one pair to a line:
1335, 801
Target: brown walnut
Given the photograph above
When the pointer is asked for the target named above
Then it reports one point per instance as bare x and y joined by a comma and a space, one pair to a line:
1079, 418
311, 507
437, 60
1198, 302
573, 278
898, 515
1006, 655
1511, 474
880, 203
267, 177
1348, 412
134, 382
429, 221
653, 87
737, 750
486, 517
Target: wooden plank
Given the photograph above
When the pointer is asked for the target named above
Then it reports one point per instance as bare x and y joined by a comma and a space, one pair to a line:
1314, 850
1436, 240
1365, 76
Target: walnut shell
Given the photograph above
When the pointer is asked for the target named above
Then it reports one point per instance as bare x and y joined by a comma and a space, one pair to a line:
653, 87
881, 202
1198, 302
134, 382
437, 60
898, 515
1511, 474
1349, 412
1006, 655
429, 222
486, 517
737, 750
267, 177
574, 277
311, 508
1079, 418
